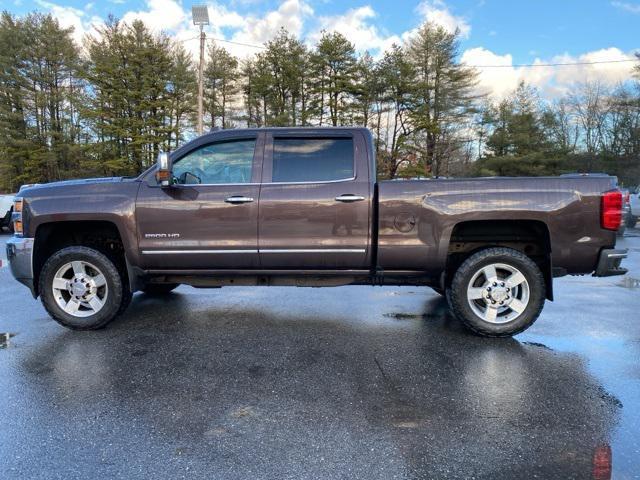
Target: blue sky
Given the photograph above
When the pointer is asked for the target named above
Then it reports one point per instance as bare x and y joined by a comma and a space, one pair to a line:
494, 31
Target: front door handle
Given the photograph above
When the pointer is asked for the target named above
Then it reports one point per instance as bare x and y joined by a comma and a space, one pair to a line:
348, 198
237, 199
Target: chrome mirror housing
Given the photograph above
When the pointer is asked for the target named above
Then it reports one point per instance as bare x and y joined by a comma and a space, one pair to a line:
164, 174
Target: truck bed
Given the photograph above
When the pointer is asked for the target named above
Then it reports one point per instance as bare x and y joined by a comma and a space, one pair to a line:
417, 218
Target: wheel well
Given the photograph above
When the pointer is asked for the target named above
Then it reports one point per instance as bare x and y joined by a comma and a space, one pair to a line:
530, 237
100, 235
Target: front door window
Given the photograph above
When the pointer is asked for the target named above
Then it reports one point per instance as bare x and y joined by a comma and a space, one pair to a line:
217, 164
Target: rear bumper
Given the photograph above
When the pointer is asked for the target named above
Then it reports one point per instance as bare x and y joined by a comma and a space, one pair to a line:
609, 263
20, 257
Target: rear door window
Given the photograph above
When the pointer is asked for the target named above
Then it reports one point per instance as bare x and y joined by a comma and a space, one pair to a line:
312, 159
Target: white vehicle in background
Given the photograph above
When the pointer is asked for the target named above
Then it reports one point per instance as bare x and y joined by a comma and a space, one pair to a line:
6, 209
634, 201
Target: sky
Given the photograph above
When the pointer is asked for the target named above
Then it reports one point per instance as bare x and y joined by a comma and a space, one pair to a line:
493, 32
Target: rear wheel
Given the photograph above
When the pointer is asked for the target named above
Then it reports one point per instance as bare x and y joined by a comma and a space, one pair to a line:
159, 288
82, 289
497, 292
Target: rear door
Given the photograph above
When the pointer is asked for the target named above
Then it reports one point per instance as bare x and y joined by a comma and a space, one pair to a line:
209, 218
315, 202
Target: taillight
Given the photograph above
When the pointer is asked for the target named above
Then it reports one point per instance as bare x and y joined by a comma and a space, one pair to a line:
611, 210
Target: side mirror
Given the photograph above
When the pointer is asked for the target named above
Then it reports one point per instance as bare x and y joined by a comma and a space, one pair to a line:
164, 175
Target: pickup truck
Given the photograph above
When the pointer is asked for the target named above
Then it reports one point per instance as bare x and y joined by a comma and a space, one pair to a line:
303, 207
6, 210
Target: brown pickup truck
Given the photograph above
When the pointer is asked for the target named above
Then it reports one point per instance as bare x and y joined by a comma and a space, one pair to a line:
302, 207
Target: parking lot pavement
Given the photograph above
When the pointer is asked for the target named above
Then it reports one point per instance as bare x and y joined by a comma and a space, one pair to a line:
350, 382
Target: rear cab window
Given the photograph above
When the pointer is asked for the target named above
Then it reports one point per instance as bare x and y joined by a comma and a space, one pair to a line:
313, 159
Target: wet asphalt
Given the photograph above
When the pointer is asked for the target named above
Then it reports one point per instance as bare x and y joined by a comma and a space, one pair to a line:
349, 382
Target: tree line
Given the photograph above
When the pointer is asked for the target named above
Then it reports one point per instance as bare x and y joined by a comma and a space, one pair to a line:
107, 107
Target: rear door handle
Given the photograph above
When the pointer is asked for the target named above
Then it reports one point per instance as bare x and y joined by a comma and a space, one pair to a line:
237, 199
348, 198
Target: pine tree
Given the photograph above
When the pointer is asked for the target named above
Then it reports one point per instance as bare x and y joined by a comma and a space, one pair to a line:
40, 95
366, 89
221, 86
335, 68
130, 71
444, 92
181, 94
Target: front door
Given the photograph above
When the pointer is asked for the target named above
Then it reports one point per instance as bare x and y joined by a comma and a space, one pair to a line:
209, 218
315, 202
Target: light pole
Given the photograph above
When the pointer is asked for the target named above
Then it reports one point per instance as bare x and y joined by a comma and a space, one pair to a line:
200, 14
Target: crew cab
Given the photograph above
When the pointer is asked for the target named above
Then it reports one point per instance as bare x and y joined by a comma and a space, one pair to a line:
302, 207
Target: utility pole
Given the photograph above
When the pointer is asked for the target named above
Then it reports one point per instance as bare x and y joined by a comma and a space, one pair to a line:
200, 14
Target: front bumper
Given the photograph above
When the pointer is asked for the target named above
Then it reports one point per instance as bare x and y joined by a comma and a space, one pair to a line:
20, 257
609, 263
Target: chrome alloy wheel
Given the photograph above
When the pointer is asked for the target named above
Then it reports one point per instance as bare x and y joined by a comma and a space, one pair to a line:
498, 293
80, 289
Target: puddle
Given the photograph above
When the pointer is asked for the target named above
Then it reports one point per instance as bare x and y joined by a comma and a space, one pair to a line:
5, 339
629, 282
536, 344
416, 316
243, 412
405, 316
609, 397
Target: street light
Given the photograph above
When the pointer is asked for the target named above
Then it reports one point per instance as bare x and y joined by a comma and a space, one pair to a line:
200, 14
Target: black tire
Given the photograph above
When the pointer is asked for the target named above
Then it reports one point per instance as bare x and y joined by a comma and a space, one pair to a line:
118, 292
631, 221
159, 288
458, 296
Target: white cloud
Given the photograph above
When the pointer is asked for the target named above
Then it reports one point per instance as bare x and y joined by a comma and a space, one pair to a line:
356, 26
436, 11
608, 73
72, 17
161, 15
291, 15
502, 79
220, 16
627, 7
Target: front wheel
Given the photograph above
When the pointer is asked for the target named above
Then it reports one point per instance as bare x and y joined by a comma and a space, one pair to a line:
497, 292
82, 289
